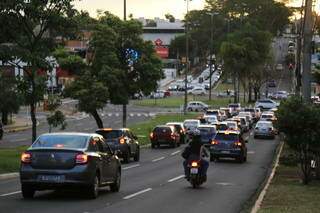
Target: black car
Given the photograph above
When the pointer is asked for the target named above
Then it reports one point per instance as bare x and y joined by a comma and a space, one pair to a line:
123, 141
69, 160
228, 144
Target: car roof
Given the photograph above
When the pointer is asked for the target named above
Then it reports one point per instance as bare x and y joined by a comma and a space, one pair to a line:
72, 134
206, 126
113, 129
191, 120
209, 116
228, 132
174, 123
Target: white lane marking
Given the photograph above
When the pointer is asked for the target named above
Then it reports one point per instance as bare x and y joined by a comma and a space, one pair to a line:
8, 194
87, 129
176, 178
130, 167
131, 114
146, 115
138, 114
109, 114
117, 114
174, 153
137, 193
251, 152
22, 139
224, 184
158, 159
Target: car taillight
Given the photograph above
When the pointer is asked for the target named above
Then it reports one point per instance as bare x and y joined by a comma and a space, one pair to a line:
81, 159
238, 143
214, 142
151, 135
26, 157
194, 164
122, 141
172, 135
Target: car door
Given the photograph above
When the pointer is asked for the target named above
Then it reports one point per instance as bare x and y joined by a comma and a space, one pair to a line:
133, 144
103, 159
108, 160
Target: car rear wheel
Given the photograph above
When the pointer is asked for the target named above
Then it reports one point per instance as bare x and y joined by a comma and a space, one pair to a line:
137, 155
27, 191
93, 189
115, 186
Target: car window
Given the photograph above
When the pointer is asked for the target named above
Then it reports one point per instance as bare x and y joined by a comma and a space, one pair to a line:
93, 147
110, 134
162, 130
227, 137
61, 141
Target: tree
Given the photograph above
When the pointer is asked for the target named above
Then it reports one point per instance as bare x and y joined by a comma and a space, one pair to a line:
170, 18
303, 139
136, 67
28, 32
10, 98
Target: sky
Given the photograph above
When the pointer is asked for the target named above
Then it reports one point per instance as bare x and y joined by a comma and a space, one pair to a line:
147, 8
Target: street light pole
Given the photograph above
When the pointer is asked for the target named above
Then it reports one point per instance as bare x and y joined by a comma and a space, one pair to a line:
211, 58
125, 10
187, 62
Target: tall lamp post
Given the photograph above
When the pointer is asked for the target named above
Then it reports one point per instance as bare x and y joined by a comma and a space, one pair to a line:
125, 10
211, 54
187, 62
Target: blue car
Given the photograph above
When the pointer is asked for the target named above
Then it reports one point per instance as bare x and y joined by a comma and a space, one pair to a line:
207, 133
228, 144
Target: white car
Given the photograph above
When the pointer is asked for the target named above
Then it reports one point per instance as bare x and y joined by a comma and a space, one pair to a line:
191, 124
266, 104
197, 106
281, 95
198, 91
157, 95
211, 119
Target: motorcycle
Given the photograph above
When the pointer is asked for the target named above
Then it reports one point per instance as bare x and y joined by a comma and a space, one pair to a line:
195, 176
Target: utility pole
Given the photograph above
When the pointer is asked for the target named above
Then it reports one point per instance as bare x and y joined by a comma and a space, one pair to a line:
187, 62
125, 10
307, 39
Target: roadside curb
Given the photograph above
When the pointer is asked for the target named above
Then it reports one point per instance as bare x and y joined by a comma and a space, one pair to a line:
19, 128
9, 176
262, 194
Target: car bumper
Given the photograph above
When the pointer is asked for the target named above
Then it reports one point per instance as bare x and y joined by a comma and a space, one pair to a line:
227, 153
79, 175
263, 134
163, 142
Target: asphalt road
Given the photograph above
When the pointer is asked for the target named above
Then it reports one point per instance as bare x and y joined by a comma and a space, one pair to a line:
156, 184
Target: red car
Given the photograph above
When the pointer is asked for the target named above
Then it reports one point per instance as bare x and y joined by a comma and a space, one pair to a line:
164, 135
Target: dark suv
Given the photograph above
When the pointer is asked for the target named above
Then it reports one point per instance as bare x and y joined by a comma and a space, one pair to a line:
168, 135
123, 141
69, 160
228, 144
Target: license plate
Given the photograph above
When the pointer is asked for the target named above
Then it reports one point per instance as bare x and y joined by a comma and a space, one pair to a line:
51, 178
194, 171
225, 152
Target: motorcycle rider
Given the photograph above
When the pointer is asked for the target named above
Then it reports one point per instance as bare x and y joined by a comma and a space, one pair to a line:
196, 151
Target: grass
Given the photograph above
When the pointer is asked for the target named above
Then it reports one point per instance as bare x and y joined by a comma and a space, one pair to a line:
142, 130
10, 159
287, 194
178, 101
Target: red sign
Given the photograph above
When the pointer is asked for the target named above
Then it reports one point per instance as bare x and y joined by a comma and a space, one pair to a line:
163, 52
158, 42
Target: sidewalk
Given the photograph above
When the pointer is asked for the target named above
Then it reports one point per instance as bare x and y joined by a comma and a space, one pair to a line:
20, 124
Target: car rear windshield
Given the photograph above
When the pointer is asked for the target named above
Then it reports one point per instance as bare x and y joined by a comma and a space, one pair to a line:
111, 134
249, 110
162, 130
191, 123
226, 137
212, 113
206, 131
61, 141
264, 125
266, 116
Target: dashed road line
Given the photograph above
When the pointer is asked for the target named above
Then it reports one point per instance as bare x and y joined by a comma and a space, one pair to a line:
158, 159
174, 153
251, 152
224, 184
176, 178
130, 167
137, 193
11, 193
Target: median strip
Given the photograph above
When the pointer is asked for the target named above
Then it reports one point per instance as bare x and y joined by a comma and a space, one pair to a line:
176, 178
137, 193
158, 159
130, 167
11, 193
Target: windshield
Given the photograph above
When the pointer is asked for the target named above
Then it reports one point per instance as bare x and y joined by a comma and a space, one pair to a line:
191, 123
61, 141
264, 125
112, 134
206, 131
226, 137
266, 116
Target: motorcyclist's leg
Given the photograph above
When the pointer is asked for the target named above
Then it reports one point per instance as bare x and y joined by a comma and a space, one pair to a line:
204, 167
185, 167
